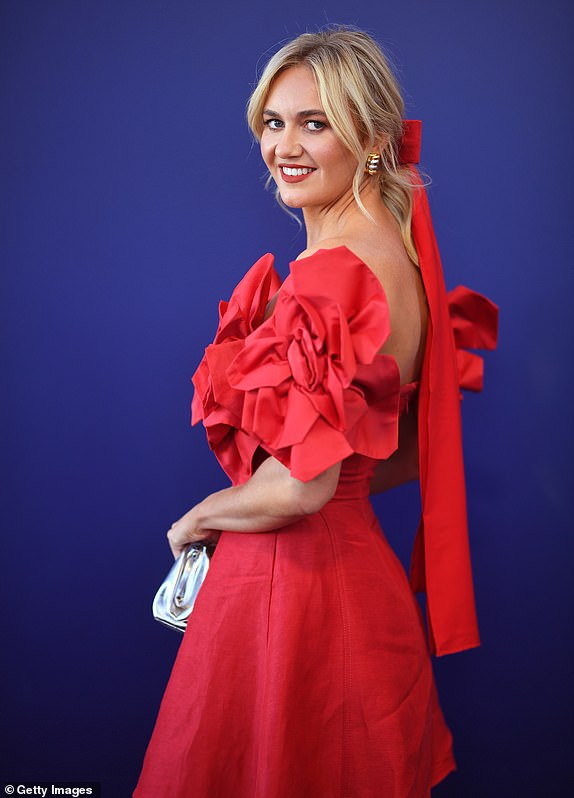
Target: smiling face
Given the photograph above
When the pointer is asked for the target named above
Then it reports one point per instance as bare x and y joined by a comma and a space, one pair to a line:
311, 166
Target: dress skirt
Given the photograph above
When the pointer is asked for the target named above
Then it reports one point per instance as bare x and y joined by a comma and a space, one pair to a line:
304, 670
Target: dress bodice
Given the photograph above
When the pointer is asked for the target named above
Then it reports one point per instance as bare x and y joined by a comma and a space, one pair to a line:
357, 470
308, 386
355, 479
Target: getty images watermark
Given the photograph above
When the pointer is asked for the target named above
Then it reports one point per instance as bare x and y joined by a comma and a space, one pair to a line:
49, 788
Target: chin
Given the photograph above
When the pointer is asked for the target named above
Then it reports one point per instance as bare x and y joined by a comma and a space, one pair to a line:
293, 200
291, 203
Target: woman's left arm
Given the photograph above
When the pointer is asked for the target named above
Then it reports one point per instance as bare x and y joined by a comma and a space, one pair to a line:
270, 499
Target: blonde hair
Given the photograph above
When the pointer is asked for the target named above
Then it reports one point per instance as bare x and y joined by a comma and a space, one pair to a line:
363, 104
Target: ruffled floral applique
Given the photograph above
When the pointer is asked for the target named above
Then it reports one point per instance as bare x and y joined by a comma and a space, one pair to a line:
307, 384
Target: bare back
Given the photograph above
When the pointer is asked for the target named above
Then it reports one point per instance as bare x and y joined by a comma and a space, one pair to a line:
381, 248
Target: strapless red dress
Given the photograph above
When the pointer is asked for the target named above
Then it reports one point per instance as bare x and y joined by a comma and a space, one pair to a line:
304, 671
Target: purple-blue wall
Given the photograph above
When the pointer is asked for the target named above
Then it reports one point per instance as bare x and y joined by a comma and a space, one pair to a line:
131, 201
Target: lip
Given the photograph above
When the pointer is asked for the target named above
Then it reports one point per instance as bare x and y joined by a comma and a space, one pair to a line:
294, 178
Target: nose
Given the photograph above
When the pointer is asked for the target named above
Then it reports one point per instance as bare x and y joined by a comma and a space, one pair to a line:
288, 144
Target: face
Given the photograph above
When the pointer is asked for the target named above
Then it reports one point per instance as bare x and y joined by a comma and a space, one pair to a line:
311, 166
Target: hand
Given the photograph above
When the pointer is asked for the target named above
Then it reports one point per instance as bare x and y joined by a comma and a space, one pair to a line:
188, 530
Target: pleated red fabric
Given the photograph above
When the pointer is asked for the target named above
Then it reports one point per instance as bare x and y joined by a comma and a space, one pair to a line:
304, 671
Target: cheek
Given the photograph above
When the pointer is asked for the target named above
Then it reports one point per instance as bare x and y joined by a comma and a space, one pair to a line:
266, 149
342, 163
348, 165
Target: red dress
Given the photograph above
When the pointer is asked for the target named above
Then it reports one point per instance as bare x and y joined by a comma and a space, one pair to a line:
304, 671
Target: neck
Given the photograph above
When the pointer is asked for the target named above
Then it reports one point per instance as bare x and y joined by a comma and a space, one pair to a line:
337, 219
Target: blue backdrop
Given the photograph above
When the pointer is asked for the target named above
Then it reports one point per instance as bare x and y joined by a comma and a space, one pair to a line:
131, 201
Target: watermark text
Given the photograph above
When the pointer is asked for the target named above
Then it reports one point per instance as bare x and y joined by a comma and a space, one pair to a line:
46, 789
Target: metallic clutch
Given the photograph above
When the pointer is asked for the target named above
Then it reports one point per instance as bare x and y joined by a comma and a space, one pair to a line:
176, 596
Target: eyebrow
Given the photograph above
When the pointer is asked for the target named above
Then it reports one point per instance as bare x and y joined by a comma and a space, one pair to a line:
300, 114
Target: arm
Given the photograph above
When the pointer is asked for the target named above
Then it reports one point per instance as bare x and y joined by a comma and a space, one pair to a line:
403, 465
270, 499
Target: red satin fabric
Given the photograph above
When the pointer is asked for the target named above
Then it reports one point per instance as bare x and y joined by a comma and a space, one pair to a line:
304, 670
474, 321
307, 385
441, 560
410, 148
458, 321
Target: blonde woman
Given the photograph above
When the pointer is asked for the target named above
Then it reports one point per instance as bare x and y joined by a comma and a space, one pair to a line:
305, 668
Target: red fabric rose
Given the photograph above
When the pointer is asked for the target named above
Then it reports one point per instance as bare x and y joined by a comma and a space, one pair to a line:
214, 401
307, 384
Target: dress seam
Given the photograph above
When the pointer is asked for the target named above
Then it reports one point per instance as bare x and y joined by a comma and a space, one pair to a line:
347, 664
265, 680
271, 590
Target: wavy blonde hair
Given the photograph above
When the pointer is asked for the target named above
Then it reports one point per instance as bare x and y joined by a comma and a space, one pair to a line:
363, 104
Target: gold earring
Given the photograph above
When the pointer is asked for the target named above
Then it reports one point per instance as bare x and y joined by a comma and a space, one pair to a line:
373, 162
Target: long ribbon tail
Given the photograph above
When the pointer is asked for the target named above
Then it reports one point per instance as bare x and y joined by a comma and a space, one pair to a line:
440, 562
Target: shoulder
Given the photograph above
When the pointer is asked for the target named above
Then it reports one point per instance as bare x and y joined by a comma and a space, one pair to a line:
399, 282
332, 271
383, 260
343, 251
352, 246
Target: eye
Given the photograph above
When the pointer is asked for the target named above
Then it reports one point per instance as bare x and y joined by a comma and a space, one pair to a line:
315, 125
273, 124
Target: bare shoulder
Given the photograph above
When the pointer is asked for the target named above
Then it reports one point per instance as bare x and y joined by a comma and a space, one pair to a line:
325, 243
388, 261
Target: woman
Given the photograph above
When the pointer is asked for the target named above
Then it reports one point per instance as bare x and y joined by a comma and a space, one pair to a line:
304, 671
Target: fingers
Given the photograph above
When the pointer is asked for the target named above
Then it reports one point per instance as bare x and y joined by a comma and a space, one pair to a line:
181, 533
175, 551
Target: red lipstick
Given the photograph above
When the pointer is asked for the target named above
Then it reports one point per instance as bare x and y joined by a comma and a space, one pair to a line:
295, 173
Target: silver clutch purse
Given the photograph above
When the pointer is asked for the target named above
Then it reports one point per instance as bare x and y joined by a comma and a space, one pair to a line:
176, 596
